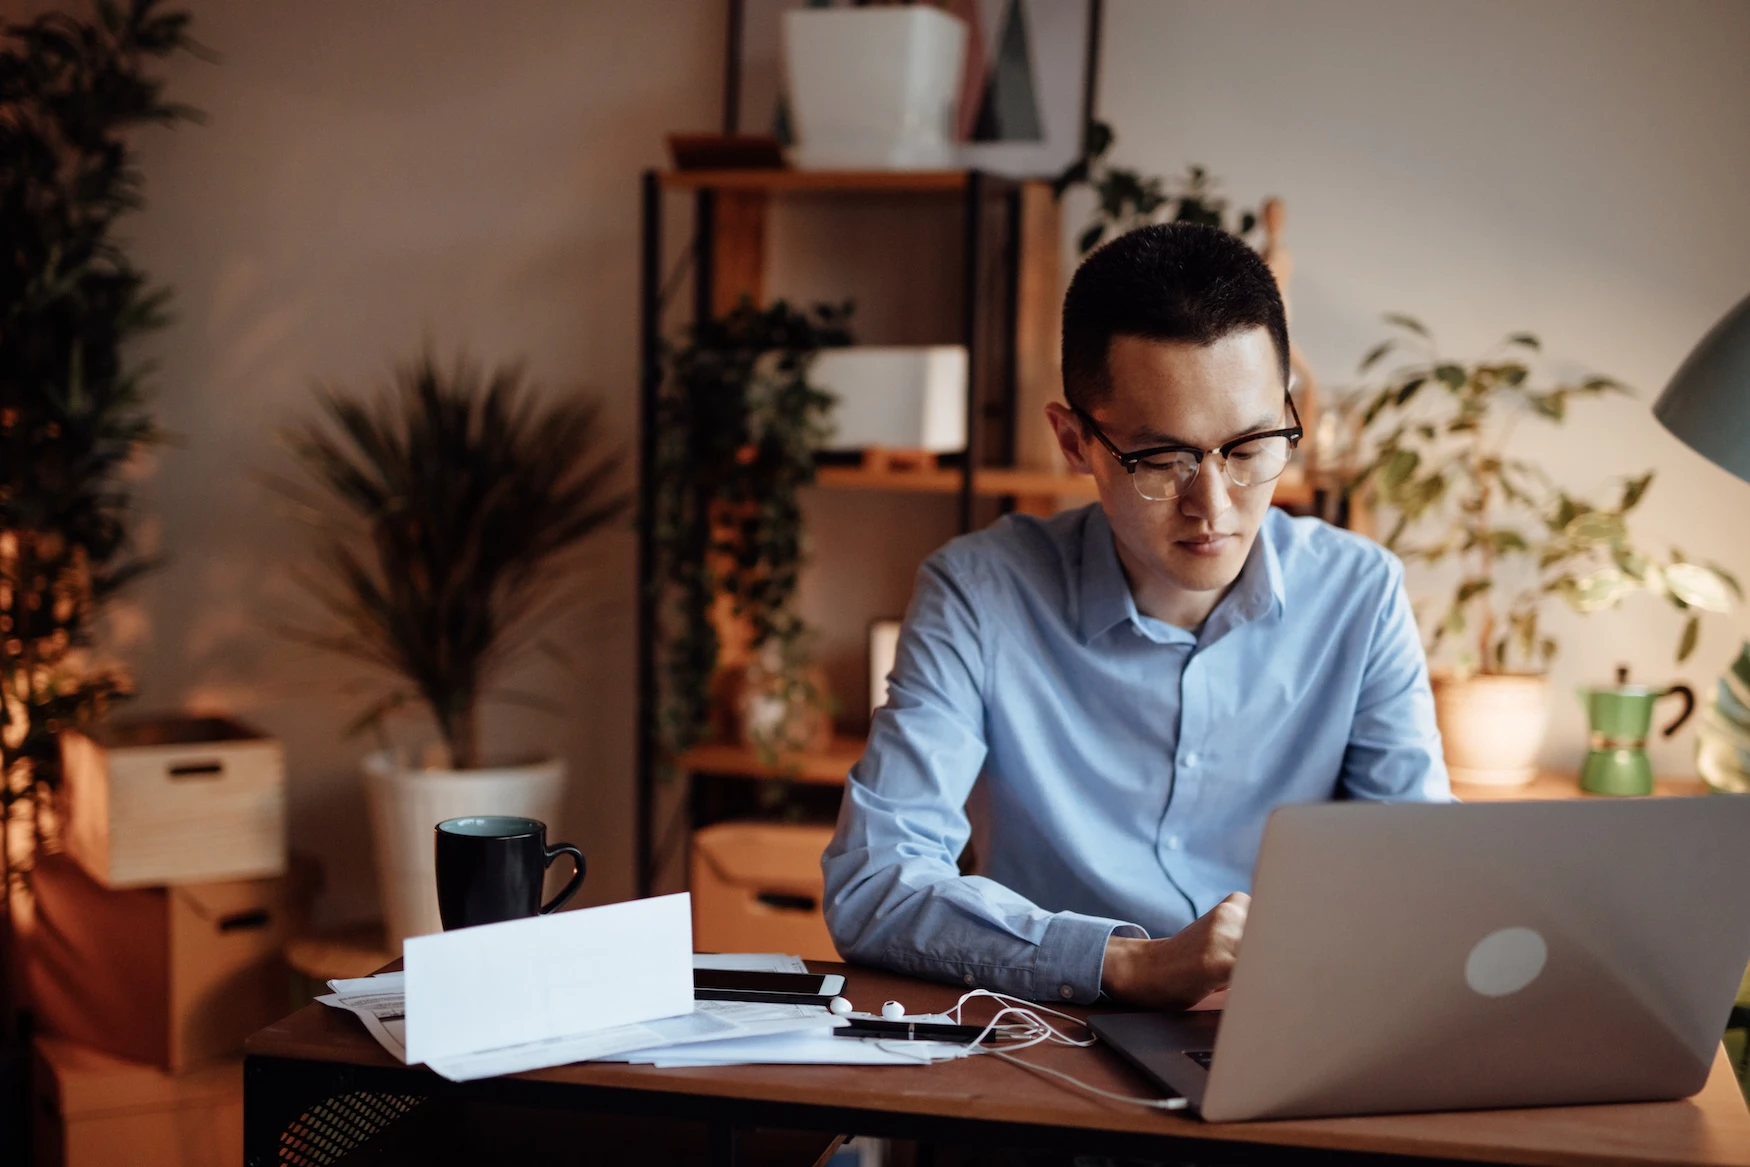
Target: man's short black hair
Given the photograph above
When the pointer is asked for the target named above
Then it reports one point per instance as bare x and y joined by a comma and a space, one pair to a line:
1168, 282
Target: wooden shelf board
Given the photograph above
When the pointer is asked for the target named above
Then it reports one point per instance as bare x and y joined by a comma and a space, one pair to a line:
734, 760
1290, 490
776, 180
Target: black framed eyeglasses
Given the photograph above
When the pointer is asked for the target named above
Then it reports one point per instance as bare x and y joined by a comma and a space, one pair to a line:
1161, 473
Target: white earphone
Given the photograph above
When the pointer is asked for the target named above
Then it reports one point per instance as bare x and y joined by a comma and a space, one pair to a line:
892, 1010
838, 1006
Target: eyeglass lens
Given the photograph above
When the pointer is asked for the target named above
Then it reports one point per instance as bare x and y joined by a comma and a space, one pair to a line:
1248, 464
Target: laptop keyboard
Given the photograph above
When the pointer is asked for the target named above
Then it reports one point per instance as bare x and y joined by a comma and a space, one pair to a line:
1201, 1056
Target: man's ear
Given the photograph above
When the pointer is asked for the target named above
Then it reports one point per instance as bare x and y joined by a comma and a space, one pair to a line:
1068, 430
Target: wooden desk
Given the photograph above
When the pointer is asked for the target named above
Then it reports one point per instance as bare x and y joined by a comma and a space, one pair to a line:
318, 1075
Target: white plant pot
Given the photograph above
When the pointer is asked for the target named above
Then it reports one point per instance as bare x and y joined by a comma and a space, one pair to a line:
1492, 726
874, 88
406, 804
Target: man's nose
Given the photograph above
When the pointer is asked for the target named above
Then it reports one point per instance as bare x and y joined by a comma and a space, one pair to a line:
1207, 497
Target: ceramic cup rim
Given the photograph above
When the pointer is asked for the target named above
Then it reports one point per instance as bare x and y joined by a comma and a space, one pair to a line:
524, 828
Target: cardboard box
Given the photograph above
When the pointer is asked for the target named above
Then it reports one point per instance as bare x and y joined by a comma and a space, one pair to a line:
92, 1110
170, 977
175, 800
757, 887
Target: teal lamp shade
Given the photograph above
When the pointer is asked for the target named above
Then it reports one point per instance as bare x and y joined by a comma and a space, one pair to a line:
1707, 404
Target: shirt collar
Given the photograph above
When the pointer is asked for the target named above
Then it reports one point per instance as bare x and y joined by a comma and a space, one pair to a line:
1105, 593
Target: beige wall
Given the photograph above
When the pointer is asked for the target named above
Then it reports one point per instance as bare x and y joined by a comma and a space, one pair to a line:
370, 176
376, 174
1575, 168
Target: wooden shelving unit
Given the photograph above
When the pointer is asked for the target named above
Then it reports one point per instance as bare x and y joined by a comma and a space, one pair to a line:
783, 181
736, 761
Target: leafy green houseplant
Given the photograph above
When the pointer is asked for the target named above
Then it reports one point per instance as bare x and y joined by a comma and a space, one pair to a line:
73, 404
1438, 434
448, 509
738, 425
1126, 199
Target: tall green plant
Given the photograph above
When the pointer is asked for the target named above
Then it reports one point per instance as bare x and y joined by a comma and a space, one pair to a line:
73, 405
737, 428
449, 503
1438, 431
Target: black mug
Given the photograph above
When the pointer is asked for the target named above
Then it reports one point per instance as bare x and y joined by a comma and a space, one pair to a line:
490, 868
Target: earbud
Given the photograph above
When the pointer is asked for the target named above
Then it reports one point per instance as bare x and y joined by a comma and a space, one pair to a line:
838, 1006
892, 1010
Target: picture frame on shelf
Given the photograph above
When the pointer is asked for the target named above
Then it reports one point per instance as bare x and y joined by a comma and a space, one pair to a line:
1026, 97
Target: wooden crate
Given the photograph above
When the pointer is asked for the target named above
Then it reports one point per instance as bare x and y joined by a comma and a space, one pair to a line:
92, 1110
757, 887
170, 977
175, 800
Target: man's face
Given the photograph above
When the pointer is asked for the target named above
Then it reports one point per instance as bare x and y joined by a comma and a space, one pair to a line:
1177, 393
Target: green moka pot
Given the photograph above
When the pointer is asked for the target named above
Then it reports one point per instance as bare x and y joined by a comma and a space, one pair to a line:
1621, 720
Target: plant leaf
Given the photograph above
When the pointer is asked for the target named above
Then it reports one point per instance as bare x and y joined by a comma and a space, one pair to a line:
1408, 322
1691, 634
1374, 354
1698, 587
1526, 340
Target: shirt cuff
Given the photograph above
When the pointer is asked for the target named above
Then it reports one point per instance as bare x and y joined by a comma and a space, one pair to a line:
1072, 956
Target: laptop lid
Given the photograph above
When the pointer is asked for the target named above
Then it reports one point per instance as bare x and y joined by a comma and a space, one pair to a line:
1403, 957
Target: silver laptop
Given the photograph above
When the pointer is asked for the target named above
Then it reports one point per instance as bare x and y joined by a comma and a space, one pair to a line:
1448, 957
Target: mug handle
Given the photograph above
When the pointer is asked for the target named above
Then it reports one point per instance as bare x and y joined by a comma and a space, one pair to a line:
1688, 696
570, 889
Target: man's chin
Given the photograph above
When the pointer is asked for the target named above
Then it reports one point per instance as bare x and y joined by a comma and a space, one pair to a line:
1199, 570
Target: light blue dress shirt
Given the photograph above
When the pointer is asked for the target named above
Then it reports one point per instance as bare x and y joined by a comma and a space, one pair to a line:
1129, 764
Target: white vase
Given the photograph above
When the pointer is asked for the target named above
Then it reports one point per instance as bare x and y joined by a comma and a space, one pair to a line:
1492, 726
874, 88
406, 804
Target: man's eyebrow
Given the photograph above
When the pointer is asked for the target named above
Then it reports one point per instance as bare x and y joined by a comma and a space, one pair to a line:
1153, 437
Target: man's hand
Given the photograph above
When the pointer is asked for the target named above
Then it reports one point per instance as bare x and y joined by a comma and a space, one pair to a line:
1180, 970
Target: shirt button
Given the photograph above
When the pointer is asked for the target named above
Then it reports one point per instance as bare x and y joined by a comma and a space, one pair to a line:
1135, 631
1190, 761
1065, 992
1174, 842
970, 979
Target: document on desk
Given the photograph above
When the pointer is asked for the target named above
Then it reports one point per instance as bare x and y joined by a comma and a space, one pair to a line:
380, 1005
556, 982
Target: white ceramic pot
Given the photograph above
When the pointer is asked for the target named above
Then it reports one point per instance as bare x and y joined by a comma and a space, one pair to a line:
1492, 726
406, 804
874, 88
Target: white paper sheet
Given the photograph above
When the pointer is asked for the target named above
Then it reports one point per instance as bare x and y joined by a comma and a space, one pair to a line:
379, 1004
809, 1047
547, 978
749, 962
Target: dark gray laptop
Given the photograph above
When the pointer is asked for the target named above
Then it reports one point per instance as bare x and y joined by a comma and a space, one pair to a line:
1412, 957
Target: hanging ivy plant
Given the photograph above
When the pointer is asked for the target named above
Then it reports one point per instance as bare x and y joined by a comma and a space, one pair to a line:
737, 428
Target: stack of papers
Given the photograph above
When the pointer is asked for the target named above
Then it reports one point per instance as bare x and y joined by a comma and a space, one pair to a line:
603, 983
380, 1002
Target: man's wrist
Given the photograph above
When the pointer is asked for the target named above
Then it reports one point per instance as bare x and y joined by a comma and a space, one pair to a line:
1118, 971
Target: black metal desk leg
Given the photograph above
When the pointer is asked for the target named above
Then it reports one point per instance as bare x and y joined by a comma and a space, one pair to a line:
722, 1150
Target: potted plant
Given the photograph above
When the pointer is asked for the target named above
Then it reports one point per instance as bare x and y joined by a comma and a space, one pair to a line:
738, 425
73, 405
1437, 433
449, 506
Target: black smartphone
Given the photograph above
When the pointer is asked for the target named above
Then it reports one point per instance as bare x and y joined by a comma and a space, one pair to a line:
718, 984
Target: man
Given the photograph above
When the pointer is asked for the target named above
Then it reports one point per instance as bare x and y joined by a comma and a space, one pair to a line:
1140, 681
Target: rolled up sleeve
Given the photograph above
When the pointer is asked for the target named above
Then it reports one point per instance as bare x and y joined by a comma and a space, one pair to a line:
1394, 751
